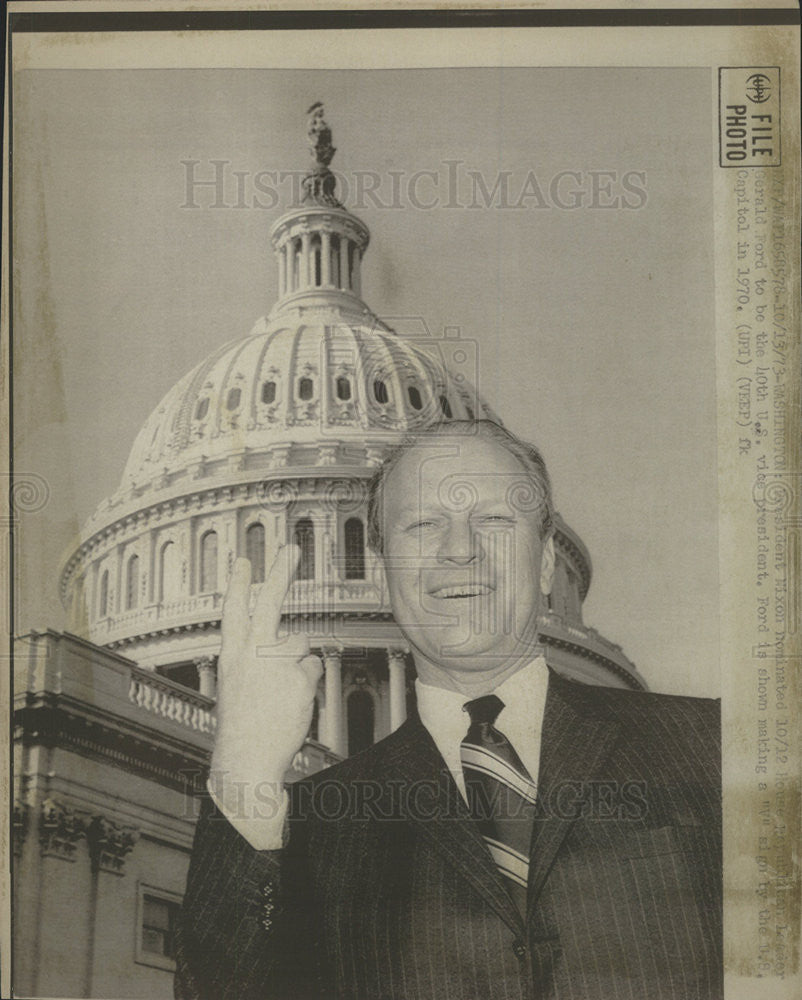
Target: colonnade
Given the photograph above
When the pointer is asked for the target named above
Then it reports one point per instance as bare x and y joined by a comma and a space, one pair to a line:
296, 266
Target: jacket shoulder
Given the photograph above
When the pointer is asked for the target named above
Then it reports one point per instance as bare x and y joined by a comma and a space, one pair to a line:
663, 721
625, 701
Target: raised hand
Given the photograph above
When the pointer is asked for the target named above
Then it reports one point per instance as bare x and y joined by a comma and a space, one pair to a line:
266, 684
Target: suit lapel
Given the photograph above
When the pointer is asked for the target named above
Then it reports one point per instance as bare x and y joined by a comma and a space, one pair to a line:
438, 812
576, 741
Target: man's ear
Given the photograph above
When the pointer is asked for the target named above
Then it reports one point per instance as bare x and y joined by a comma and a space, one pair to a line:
547, 566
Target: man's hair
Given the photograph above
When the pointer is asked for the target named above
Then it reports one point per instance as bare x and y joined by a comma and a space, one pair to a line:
527, 454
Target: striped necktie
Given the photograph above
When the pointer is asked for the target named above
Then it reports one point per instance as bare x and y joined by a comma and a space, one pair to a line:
501, 794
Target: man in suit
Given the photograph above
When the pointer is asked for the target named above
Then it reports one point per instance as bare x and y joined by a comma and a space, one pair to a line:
522, 837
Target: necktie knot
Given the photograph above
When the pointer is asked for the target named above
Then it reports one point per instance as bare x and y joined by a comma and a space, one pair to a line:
484, 709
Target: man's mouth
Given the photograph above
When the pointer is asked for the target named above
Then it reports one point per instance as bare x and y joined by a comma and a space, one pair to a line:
461, 590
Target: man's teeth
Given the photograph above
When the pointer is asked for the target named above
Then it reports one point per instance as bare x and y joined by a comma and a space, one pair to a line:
474, 590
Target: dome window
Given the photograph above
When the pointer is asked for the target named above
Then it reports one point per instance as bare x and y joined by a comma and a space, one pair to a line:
269, 392
304, 538
306, 389
354, 549
469, 412
208, 562
380, 391
445, 406
132, 583
343, 388
203, 408
255, 552
103, 608
233, 399
415, 400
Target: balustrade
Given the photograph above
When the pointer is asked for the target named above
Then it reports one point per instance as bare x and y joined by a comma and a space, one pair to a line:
305, 595
152, 695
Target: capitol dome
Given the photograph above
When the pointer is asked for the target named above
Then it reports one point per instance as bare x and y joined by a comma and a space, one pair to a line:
271, 438
307, 383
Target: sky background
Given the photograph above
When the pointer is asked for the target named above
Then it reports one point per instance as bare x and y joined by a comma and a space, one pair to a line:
593, 327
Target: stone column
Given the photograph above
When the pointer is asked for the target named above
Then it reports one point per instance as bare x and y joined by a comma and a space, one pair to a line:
117, 606
333, 737
327, 577
59, 948
151, 593
398, 686
344, 284
207, 675
109, 845
357, 282
92, 599
304, 279
325, 258
282, 270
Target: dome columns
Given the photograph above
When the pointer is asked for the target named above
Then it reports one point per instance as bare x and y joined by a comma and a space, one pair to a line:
281, 254
319, 251
207, 675
344, 264
306, 242
325, 258
333, 735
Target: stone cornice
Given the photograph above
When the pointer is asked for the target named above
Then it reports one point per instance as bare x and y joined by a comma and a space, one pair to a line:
51, 719
213, 624
304, 218
633, 681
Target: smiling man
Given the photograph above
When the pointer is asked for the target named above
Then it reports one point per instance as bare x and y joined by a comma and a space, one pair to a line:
522, 837
463, 523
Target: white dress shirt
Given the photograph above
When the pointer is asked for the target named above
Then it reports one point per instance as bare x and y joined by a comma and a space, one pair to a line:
521, 719
442, 713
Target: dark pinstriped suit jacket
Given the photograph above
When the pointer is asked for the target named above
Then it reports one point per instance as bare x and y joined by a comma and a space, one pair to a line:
385, 889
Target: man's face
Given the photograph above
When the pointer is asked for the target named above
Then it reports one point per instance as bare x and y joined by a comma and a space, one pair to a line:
464, 561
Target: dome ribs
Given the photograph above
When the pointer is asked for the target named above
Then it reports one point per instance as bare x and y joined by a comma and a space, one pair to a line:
260, 376
182, 423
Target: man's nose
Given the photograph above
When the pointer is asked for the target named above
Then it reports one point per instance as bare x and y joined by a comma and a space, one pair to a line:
460, 543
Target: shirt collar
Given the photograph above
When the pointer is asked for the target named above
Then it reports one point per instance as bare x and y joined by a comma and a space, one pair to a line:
524, 697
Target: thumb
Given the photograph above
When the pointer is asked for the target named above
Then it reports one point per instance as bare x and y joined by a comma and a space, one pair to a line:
312, 666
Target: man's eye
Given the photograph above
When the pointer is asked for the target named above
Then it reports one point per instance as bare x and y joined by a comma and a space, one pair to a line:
497, 519
420, 525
